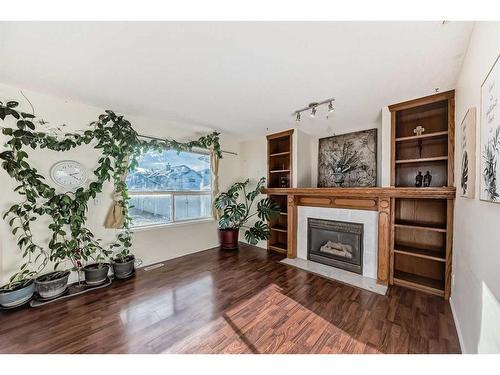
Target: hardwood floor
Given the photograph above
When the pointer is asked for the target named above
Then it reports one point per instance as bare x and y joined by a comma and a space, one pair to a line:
232, 302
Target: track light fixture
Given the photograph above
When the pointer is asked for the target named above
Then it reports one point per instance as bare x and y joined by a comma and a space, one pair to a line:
313, 107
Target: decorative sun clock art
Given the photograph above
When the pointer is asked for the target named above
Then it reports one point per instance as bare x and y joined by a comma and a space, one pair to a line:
69, 174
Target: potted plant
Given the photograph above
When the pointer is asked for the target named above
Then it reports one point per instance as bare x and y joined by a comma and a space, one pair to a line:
97, 271
123, 262
235, 214
18, 290
52, 284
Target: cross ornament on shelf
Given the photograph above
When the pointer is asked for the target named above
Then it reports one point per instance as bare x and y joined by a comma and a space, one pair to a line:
419, 130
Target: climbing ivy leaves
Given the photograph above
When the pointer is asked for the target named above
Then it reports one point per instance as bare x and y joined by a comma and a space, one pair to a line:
71, 239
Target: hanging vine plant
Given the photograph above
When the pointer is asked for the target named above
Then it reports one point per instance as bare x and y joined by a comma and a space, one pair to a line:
71, 239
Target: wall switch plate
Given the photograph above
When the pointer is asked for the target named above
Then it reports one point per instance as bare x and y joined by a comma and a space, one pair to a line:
97, 201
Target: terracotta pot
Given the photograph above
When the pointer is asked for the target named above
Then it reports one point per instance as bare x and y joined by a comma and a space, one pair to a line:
228, 238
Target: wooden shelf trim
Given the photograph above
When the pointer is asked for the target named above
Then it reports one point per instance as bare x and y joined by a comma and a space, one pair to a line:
278, 228
420, 253
420, 226
280, 154
280, 171
447, 95
374, 192
421, 283
423, 136
279, 247
422, 160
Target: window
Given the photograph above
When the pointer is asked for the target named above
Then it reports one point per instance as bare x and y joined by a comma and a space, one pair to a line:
169, 187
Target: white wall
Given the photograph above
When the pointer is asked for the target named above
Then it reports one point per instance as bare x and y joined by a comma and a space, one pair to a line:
301, 159
476, 259
384, 156
253, 165
150, 245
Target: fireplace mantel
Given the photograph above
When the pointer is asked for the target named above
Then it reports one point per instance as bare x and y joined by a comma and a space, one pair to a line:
379, 199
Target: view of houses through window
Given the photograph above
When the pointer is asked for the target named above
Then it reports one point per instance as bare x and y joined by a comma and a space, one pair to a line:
170, 186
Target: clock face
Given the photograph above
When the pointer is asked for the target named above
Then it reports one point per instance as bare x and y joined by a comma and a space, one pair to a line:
69, 174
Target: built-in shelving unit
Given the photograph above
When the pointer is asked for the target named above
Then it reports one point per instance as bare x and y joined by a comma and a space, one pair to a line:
279, 167
421, 227
279, 159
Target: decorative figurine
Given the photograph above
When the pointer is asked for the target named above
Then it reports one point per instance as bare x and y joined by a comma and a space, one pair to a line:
419, 130
427, 179
418, 179
283, 182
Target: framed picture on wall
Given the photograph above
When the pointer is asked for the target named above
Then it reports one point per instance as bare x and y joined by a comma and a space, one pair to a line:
348, 160
490, 136
468, 154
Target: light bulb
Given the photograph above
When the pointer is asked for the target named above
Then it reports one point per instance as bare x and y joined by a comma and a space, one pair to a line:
330, 107
313, 112
297, 118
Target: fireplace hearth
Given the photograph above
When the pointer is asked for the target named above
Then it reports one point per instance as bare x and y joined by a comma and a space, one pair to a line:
335, 243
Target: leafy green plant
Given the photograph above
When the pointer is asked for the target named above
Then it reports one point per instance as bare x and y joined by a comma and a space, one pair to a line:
71, 239
234, 213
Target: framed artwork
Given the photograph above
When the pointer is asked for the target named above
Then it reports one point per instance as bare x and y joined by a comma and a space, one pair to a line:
348, 160
490, 135
468, 154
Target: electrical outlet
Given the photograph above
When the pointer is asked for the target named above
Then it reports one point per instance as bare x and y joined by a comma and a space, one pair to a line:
97, 201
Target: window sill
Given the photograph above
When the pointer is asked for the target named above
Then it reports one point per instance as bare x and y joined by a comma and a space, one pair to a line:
171, 225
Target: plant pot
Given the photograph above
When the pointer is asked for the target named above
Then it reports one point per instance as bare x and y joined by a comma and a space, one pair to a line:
125, 268
228, 238
96, 273
52, 284
20, 294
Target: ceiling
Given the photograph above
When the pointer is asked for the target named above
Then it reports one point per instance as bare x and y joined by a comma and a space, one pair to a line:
244, 78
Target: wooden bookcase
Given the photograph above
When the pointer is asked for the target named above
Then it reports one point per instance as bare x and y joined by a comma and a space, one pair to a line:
421, 243
279, 166
279, 227
279, 158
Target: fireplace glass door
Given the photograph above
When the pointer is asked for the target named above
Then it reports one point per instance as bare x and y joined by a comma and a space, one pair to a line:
335, 243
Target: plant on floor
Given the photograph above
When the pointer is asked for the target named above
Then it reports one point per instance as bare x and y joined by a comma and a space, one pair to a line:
235, 214
71, 240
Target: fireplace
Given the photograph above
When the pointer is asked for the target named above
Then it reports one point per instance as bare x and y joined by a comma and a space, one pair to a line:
335, 243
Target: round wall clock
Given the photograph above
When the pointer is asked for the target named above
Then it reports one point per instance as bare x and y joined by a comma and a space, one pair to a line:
69, 174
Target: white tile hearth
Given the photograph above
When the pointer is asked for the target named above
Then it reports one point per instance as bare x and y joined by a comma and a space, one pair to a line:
337, 274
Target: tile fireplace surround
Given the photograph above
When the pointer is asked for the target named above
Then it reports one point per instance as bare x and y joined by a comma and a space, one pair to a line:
369, 219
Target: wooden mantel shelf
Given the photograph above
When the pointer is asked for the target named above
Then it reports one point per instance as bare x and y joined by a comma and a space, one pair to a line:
382, 192
379, 199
